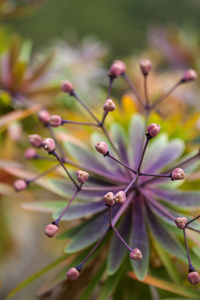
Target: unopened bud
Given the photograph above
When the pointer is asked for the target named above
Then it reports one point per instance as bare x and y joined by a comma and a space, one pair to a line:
67, 86
101, 147
120, 197
73, 274
109, 105
30, 153
193, 278
82, 176
35, 140
153, 129
55, 121
136, 254
109, 199
180, 222
44, 116
145, 66
51, 230
20, 185
117, 68
189, 75
177, 174
48, 144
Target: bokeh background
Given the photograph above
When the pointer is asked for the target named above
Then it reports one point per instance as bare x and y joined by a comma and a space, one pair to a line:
93, 34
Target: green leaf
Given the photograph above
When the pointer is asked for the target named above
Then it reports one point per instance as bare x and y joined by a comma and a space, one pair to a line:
44, 206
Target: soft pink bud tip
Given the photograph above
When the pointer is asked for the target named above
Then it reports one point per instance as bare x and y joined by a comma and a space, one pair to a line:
153, 129
35, 140
30, 153
145, 66
136, 254
43, 116
55, 121
101, 147
109, 199
181, 222
193, 278
48, 144
73, 274
82, 176
67, 86
51, 230
120, 197
109, 105
189, 75
117, 68
178, 174
20, 185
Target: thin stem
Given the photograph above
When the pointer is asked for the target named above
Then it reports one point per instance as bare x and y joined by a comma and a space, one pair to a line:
188, 227
192, 220
122, 209
166, 94
66, 208
121, 238
85, 106
110, 140
130, 185
121, 163
55, 140
60, 161
94, 248
104, 117
145, 90
111, 79
155, 175
105, 188
188, 253
133, 88
42, 174
145, 147
79, 123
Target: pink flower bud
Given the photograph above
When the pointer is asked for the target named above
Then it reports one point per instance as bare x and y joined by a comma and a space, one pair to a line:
48, 144
189, 75
51, 230
109, 198
117, 68
67, 86
193, 278
44, 116
82, 176
153, 129
55, 121
73, 274
35, 140
177, 174
120, 197
145, 66
30, 153
101, 147
109, 105
181, 222
136, 254
20, 185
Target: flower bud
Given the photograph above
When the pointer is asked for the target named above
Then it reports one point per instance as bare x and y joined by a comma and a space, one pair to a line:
136, 254
67, 86
20, 185
145, 66
82, 176
181, 222
73, 274
193, 278
35, 140
51, 230
30, 153
177, 174
120, 197
153, 129
55, 121
189, 75
101, 147
48, 144
109, 105
109, 199
117, 68
44, 116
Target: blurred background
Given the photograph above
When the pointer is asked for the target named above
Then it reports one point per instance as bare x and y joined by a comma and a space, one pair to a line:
85, 37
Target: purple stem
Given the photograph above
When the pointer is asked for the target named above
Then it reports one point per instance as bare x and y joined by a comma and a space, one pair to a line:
192, 220
111, 142
122, 210
130, 185
155, 175
104, 117
145, 147
55, 140
133, 88
111, 79
145, 90
120, 237
79, 123
42, 174
191, 268
121, 163
188, 227
101, 188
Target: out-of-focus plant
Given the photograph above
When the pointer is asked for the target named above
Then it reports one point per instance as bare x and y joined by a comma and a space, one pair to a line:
125, 203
